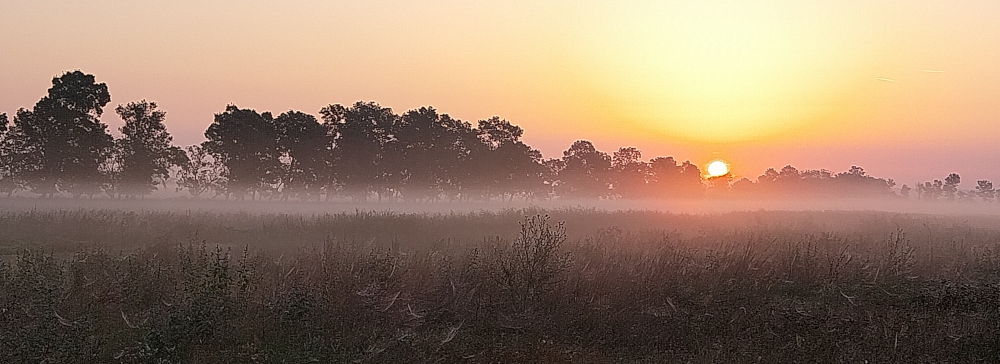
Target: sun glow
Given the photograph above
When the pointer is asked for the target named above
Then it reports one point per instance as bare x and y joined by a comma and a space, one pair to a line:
705, 73
718, 168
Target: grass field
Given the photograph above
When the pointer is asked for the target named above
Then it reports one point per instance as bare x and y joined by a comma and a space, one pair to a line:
528, 285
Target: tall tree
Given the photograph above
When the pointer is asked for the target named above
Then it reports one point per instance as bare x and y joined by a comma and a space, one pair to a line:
670, 179
363, 156
246, 143
306, 146
509, 166
984, 188
61, 144
586, 171
144, 152
630, 172
422, 141
950, 186
461, 175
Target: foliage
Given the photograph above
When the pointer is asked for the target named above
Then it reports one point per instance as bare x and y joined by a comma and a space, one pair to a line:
244, 141
144, 153
364, 150
61, 144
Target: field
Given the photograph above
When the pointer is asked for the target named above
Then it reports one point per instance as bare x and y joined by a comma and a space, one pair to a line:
518, 285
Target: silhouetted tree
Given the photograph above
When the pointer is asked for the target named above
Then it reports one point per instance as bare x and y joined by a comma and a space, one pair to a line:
512, 167
586, 171
144, 154
669, 179
201, 173
630, 172
460, 151
307, 150
743, 187
60, 145
930, 190
422, 141
246, 143
856, 182
984, 189
905, 191
950, 186
770, 175
363, 159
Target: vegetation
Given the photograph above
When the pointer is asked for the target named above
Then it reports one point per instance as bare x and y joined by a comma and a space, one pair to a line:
366, 151
578, 286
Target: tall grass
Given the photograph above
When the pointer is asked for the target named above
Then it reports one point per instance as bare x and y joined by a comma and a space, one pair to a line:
513, 286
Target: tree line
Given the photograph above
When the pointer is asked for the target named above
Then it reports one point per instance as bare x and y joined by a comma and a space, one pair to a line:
361, 151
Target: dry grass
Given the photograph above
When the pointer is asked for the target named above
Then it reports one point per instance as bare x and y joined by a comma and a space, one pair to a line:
106, 286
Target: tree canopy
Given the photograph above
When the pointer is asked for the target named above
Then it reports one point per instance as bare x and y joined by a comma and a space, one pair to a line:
363, 151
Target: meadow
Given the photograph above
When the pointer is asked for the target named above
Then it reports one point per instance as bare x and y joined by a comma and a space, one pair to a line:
518, 285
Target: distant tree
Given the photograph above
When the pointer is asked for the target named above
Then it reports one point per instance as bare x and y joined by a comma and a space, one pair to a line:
669, 179
459, 155
364, 159
512, 167
950, 186
553, 167
769, 176
144, 152
422, 141
306, 147
789, 174
743, 187
3, 124
60, 145
630, 172
984, 189
586, 171
905, 191
201, 173
246, 143
931, 190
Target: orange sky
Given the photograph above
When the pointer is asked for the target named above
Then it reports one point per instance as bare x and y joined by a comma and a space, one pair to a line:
907, 89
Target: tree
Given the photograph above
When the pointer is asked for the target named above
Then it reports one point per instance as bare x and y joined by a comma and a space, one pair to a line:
200, 173
421, 142
629, 172
984, 189
586, 170
60, 145
144, 152
363, 163
305, 145
950, 186
460, 165
905, 191
510, 167
246, 143
670, 179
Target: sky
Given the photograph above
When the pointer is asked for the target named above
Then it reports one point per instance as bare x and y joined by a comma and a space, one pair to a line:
907, 89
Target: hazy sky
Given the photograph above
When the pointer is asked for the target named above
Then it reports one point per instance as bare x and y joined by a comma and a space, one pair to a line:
907, 89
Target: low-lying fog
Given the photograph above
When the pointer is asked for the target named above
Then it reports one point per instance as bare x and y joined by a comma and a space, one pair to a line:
700, 206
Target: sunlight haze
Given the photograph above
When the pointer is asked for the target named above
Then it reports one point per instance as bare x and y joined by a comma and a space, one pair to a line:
886, 85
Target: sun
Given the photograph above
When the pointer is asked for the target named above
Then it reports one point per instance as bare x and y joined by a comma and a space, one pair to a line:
718, 168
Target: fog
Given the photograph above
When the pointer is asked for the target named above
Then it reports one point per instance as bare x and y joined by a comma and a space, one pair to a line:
690, 206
